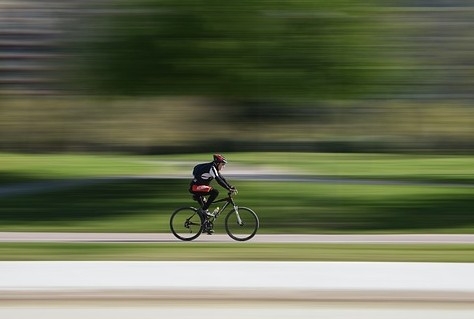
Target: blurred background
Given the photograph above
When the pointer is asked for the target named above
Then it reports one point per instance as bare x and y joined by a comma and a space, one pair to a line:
286, 89
163, 76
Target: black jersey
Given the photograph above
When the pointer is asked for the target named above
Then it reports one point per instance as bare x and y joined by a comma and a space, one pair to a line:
204, 173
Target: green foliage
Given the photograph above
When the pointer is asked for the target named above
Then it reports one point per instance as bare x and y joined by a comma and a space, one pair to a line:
160, 125
244, 49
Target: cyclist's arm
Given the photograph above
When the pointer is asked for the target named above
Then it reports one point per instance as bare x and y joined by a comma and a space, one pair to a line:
220, 179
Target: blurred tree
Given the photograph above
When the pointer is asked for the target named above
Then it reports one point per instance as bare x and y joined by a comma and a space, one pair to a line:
246, 49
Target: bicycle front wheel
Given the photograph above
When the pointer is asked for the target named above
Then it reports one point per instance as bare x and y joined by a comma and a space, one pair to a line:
241, 224
186, 223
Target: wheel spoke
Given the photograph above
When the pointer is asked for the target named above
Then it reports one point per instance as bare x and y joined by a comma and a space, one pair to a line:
185, 223
242, 224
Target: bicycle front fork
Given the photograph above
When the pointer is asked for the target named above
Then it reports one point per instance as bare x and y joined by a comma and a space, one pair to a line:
239, 220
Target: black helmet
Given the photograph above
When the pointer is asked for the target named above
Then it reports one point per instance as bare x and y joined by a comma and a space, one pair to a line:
219, 159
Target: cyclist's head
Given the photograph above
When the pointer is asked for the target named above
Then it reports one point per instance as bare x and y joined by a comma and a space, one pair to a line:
219, 159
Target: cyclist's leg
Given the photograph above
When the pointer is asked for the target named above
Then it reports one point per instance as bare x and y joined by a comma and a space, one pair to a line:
199, 198
205, 190
213, 193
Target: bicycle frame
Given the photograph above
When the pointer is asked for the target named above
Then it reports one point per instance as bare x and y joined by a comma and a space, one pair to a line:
240, 228
228, 200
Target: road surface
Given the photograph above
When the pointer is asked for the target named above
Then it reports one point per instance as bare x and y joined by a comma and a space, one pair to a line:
188, 309
231, 290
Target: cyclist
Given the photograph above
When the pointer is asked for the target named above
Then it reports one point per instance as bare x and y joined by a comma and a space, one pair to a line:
203, 175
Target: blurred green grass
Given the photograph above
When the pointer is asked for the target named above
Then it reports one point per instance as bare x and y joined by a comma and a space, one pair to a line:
133, 204
442, 168
145, 205
195, 251
15, 167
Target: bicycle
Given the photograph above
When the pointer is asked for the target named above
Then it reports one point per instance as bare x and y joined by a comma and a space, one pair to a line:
241, 223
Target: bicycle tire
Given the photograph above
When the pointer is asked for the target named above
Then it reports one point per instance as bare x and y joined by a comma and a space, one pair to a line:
186, 223
247, 229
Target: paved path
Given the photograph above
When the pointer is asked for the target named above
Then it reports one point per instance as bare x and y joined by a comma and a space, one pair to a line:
259, 238
227, 277
186, 309
215, 286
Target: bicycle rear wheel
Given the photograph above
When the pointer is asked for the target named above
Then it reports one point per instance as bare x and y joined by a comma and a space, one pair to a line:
186, 223
241, 225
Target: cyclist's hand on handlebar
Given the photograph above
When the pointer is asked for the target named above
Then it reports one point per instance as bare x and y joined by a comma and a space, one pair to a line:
233, 190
